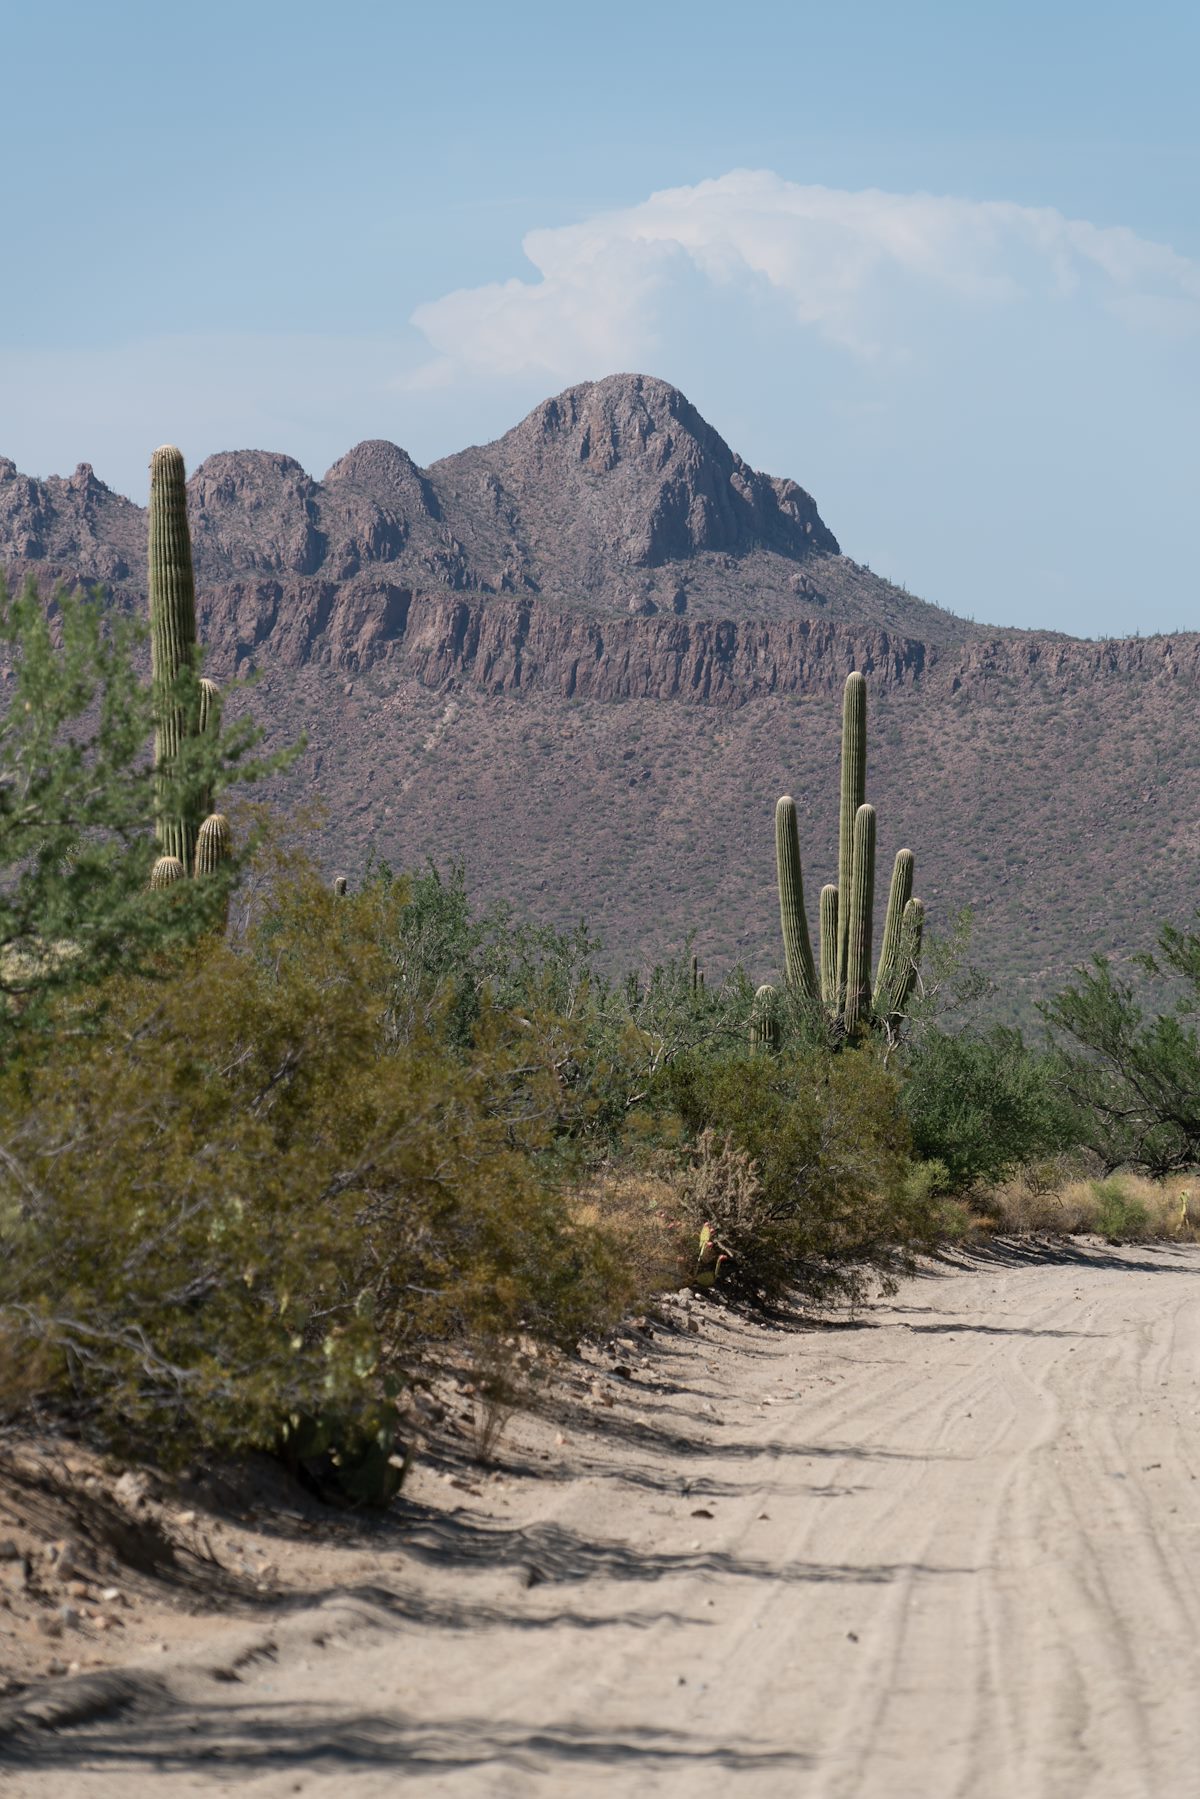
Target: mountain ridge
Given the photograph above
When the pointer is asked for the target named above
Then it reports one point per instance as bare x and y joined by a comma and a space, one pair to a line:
614, 496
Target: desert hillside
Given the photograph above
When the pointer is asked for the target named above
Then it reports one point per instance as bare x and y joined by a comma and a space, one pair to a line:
586, 658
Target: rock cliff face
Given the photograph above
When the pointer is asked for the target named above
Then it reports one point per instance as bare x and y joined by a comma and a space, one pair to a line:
587, 657
511, 646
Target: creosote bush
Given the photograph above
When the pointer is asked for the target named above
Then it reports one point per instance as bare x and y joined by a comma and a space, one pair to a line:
1130, 1050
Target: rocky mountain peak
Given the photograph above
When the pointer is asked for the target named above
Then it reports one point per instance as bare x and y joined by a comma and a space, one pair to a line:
254, 509
246, 477
386, 475
622, 417
626, 469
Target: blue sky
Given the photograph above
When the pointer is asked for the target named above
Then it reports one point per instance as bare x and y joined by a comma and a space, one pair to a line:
940, 264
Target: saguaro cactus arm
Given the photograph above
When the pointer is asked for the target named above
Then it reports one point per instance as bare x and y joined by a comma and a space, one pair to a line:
214, 845
764, 1021
854, 793
166, 871
858, 935
912, 930
899, 894
208, 724
797, 948
829, 947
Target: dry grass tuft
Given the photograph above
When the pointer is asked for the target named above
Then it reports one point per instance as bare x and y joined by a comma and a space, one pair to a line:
643, 1219
1124, 1207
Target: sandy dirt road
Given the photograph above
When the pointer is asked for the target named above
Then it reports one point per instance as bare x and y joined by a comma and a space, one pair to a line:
953, 1550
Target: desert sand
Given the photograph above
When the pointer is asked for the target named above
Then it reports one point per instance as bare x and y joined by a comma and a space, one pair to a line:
950, 1547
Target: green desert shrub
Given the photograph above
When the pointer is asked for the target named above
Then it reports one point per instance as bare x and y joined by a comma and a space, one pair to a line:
240, 1201
77, 800
1131, 1056
1120, 1215
981, 1102
830, 1148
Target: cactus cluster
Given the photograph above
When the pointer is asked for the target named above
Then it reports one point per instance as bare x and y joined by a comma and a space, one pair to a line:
192, 838
844, 988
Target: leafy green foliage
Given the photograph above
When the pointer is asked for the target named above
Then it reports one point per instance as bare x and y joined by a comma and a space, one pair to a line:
830, 1147
1120, 1215
1134, 1075
453, 969
980, 1102
77, 800
240, 1202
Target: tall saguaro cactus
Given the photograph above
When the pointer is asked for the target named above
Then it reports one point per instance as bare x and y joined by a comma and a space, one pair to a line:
172, 649
186, 706
845, 987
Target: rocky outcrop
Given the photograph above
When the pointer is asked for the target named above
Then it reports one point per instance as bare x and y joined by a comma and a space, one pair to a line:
70, 528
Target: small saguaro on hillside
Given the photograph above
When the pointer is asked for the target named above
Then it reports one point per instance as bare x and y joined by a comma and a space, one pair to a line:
192, 838
844, 989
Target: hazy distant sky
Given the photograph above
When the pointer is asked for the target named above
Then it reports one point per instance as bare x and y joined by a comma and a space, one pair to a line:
940, 263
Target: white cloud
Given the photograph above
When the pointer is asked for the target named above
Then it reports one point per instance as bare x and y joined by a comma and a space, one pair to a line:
846, 265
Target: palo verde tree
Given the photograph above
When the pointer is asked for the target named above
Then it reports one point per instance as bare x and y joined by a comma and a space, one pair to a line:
1133, 1072
77, 794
